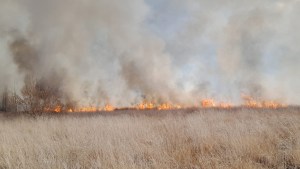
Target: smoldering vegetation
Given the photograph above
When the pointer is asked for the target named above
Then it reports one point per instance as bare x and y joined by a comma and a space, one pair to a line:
244, 138
95, 52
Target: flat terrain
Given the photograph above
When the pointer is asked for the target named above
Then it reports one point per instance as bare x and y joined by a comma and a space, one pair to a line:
207, 138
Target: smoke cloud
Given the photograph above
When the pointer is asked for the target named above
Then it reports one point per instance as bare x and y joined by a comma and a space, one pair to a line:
122, 52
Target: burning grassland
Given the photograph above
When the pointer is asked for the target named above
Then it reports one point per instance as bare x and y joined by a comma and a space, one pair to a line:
37, 99
149, 55
207, 138
146, 105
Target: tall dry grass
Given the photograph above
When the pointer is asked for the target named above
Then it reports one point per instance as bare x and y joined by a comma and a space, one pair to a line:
203, 139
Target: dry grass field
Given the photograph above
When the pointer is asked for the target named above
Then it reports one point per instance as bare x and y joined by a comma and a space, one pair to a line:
211, 138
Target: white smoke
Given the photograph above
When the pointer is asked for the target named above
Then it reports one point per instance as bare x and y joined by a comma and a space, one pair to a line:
98, 51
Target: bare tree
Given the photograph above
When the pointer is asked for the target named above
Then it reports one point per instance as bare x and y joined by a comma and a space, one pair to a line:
4, 101
38, 98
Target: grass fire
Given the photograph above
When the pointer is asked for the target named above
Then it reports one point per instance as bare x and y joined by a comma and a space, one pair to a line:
145, 105
152, 84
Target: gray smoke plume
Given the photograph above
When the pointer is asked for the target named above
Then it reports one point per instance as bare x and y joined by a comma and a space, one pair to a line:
121, 52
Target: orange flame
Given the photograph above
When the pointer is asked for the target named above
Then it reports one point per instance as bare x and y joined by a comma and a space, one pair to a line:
146, 105
109, 107
167, 106
252, 103
207, 103
57, 109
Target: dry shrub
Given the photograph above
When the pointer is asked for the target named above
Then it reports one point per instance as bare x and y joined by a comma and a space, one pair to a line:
38, 98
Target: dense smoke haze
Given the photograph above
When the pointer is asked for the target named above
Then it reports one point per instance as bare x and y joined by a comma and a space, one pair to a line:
122, 52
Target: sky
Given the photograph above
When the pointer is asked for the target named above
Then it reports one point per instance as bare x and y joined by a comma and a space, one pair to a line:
165, 50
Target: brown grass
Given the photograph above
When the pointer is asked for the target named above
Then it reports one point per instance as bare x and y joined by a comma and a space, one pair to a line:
241, 138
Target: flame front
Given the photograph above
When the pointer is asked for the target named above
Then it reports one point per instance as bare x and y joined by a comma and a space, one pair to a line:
207, 103
145, 105
210, 103
167, 106
148, 105
252, 103
109, 107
